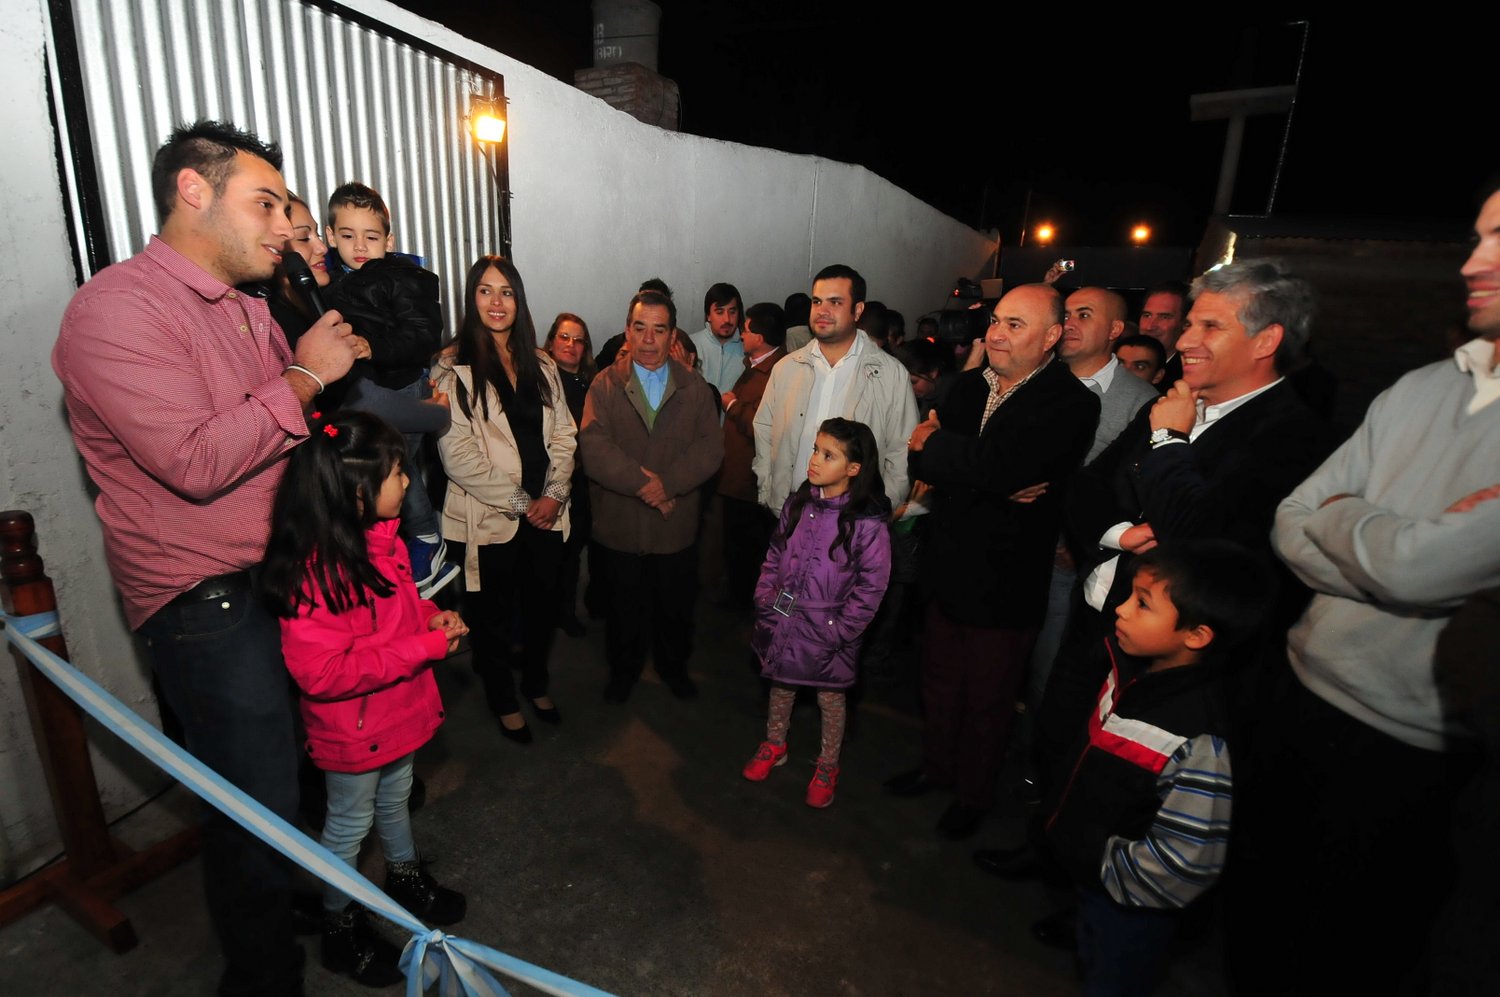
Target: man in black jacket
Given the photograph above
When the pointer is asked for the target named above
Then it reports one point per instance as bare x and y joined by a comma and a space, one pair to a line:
1211, 460
1022, 419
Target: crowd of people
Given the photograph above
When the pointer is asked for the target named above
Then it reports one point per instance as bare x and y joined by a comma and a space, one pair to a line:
1219, 623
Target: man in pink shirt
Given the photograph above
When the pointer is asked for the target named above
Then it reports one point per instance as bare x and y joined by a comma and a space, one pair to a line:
184, 400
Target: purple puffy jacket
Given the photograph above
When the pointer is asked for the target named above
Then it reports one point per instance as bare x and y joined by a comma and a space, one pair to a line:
834, 596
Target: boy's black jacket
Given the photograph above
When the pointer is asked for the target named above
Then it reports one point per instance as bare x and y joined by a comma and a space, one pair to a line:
393, 303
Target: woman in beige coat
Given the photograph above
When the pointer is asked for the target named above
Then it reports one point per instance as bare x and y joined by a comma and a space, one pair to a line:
509, 459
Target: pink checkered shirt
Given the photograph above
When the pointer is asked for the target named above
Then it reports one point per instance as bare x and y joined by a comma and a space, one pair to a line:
177, 404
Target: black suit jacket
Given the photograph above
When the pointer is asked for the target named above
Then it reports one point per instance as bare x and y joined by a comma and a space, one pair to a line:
986, 559
1171, 374
1225, 485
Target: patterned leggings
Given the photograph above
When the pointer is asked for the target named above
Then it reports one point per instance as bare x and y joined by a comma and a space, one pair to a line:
832, 704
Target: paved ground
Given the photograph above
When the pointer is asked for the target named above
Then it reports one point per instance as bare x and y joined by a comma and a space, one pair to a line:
623, 849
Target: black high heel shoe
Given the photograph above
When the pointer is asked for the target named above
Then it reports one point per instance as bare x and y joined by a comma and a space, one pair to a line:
520, 735
547, 714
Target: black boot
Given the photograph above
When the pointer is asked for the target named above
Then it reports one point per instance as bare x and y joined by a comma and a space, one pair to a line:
351, 947
409, 885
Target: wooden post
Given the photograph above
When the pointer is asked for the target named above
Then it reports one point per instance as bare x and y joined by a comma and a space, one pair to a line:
97, 868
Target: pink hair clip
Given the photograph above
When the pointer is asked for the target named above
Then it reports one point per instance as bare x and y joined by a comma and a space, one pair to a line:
331, 430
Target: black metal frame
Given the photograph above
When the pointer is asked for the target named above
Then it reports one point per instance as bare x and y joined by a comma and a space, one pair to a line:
77, 147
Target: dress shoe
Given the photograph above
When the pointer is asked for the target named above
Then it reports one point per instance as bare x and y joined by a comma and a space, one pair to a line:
546, 714
617, 691
959, 821
520, 735
1059, 930
912, 783
681, 686
1010, 863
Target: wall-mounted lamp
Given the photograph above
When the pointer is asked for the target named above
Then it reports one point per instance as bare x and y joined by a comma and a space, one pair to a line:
1141, 234
1045, 233
486, 123
487, 126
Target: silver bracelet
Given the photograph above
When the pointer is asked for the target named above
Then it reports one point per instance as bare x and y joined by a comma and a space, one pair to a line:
304, 370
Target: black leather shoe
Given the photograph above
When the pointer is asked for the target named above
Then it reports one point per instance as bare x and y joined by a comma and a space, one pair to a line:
1010, 863
959, 821
547, 714
1059, 930
912, 783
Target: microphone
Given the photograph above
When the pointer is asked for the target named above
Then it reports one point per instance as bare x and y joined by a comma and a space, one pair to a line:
301, 276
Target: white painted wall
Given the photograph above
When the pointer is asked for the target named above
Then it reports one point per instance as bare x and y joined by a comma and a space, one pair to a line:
39, 470
601, 202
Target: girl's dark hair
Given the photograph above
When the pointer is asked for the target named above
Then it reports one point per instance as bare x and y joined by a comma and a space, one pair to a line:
324, 505
477, 350
586, 366
866, 489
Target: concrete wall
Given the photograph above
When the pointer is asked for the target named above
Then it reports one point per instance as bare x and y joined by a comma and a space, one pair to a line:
601, 202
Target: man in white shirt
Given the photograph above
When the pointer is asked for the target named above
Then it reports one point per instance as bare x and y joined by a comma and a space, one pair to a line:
840, 373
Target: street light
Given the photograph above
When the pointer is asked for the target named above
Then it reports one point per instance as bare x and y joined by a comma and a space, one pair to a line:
1141, 234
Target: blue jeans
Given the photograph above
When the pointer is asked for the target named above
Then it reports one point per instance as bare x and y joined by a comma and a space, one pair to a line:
1124, 951
357, 800
220, 670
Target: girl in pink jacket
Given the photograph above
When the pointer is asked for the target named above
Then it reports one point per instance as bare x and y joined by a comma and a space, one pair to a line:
360, 642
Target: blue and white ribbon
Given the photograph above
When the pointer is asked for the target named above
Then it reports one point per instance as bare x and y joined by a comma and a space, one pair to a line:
459, 967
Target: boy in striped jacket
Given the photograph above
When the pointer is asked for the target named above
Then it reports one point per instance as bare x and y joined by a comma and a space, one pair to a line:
1141, 820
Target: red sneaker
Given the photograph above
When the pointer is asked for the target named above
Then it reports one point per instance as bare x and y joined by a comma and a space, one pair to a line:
767, 757
820, 790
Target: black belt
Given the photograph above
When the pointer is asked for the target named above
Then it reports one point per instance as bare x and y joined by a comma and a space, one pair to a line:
215, 587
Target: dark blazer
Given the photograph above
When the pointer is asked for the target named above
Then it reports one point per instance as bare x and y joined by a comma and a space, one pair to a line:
1226, 485
987, 559
736, 477
1171, 374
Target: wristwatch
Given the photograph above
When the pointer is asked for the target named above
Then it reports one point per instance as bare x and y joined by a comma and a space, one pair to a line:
1164, 435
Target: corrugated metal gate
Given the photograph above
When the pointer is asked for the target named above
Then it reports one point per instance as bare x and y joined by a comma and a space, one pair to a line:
346, 98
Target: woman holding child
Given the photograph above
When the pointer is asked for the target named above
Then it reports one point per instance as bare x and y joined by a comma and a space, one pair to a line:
509, 459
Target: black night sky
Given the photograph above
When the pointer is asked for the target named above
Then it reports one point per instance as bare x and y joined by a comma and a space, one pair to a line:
1088, 112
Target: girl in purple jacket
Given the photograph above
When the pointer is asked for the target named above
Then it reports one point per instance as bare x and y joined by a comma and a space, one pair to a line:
360, 642
823, 579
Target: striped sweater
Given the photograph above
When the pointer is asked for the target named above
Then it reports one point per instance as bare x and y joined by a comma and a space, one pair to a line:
1144, 813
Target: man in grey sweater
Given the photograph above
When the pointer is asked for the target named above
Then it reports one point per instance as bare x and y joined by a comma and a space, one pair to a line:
1350, 831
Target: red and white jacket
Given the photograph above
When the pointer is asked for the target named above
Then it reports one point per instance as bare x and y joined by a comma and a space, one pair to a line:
368, 695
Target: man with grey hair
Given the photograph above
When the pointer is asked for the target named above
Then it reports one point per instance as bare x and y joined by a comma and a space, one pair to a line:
1209, 460
1215, 454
